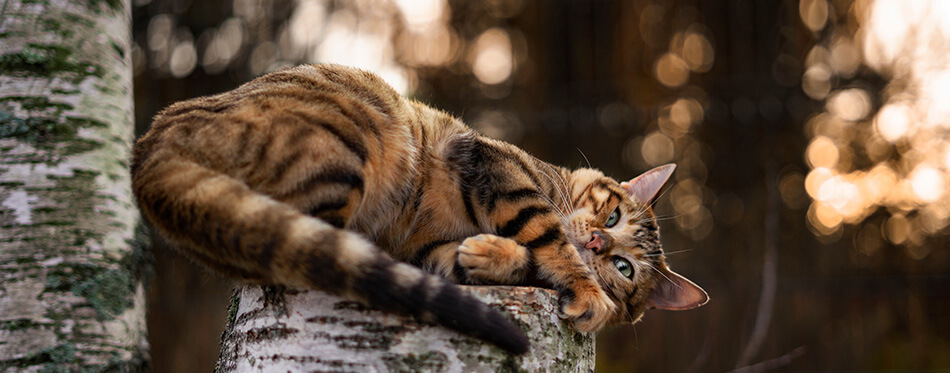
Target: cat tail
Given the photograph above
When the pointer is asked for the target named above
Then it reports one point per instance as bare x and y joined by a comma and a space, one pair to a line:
221, 223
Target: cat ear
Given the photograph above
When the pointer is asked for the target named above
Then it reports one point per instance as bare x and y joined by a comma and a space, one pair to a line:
675, 292
645, 187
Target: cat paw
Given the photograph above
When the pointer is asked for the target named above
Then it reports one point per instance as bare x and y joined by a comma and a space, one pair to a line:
588, 308
492, 258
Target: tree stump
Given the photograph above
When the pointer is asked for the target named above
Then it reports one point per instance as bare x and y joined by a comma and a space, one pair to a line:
276, 329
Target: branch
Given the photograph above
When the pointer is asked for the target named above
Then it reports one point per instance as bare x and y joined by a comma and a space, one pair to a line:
769, 274
773, 363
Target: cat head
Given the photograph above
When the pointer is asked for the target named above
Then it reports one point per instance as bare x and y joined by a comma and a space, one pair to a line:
613, 227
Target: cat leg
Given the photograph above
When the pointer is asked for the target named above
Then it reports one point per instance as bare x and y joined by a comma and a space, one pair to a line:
538, 230
583, 301
493, 259
481, 259
505, 186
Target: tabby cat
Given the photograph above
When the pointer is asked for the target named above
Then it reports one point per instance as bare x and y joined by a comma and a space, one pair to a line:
323, 177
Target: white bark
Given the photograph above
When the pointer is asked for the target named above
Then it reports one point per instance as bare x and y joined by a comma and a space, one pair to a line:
294, 330
71, 297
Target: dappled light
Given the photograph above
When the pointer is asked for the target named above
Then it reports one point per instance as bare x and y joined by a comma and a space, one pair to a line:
811, 139
887, 151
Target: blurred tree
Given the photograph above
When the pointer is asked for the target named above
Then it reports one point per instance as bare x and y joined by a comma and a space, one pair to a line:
71, 287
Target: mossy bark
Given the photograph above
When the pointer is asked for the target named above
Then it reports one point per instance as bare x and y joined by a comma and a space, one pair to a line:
271, 329
71, 288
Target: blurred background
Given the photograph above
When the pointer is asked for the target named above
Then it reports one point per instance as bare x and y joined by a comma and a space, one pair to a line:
812, 139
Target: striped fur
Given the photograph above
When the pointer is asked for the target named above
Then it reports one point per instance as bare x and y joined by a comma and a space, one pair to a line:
324, 177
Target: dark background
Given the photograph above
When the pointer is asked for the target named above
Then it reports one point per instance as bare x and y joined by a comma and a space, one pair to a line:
733, 91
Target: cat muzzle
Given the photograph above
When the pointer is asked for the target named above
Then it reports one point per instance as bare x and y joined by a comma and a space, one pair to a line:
598, 241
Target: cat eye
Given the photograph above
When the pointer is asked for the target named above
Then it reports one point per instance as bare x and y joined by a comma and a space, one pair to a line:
613, 218
623, 266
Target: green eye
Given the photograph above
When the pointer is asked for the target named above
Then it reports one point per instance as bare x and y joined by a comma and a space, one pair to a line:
613, 218
623, 266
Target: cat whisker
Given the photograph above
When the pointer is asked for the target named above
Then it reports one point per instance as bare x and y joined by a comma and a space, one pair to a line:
657, 198
557, 209
585, 158
557, 187
658, 218
669, 253
664, 275
567, 191
644, 208
640, 211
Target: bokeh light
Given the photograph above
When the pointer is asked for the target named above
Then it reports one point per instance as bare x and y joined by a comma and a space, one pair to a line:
814, 128
887, 152
671, 70
492, 62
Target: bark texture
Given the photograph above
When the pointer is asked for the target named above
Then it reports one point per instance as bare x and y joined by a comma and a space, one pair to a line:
71, 289
270, 329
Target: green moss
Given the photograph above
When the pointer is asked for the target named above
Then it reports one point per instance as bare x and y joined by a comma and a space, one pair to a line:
16, 324
54, 25
65, 357
53, 359
54, 283
48, 60
62, 276
76, 20
233, 307
110, 292
511, 364
140, 261
44, 123
33, 129
87, 122
38, 103
78, 146
274, 299
119, 50
60, 354
63, 91
580, 339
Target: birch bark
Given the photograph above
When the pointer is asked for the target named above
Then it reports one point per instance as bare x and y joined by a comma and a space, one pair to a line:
71, 289
291, 330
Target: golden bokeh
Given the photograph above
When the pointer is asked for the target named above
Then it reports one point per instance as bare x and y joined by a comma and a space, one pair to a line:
902, 143
869, 148
492, 60
671, 70
814, 13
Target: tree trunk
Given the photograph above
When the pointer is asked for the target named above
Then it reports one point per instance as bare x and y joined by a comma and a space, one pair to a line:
71, 290
270, 329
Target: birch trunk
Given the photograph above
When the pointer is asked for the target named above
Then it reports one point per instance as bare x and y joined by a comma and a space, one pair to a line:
271, 329
71, 293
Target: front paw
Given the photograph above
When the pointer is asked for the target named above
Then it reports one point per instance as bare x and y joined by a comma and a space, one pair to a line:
491, 258
587, 308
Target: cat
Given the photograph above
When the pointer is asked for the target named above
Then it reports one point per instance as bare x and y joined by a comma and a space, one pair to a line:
324, 177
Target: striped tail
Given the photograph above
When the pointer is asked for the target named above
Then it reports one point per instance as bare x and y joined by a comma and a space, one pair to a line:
221, 223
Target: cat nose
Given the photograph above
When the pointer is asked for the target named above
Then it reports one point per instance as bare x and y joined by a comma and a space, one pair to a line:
596, 242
